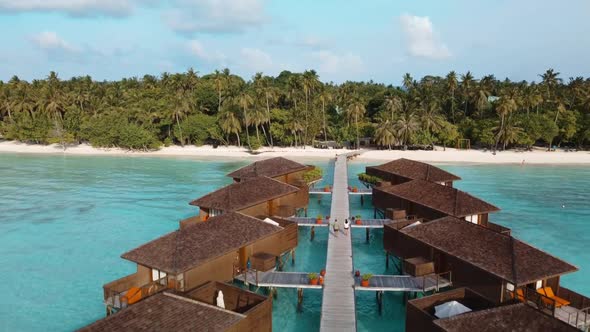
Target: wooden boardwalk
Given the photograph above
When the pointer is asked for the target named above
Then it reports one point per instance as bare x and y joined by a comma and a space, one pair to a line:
277, 279
403, 283
338, 306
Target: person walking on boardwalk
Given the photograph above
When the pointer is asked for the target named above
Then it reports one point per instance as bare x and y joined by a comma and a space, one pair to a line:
336, 227
346, 226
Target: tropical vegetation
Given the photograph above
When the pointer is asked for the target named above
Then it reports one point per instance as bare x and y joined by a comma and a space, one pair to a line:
296, 109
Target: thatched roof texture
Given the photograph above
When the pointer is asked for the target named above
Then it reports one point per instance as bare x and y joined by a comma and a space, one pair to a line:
499, 254
441, 198
167, 312
191, 246
514, 317
241, 195
272, 167
414, 170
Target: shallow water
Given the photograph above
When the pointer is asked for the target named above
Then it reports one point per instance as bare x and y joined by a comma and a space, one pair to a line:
64, 222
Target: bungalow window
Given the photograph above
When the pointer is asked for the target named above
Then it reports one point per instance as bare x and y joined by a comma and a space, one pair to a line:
157, 274
539, 284
215, 212
510, 287
473, 219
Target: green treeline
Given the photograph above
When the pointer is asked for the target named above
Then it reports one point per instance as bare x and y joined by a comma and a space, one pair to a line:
293, 109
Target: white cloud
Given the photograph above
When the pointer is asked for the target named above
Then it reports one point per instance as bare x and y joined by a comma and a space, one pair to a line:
421, 40
256, 59
72, 7
331, 63
197, 49
215, 16
50, 41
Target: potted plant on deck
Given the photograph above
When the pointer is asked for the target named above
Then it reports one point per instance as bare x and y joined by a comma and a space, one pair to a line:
358, 220
313, 278
319, 219
327, 189
365, 279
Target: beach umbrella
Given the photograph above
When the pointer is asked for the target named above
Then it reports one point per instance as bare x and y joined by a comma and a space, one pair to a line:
450, 309
220, 302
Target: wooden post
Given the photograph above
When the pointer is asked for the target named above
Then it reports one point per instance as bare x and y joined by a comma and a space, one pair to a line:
379, 296
312, 232
299, 299
367, 231
362, 200
387, 259
375, 213
306, 212
293, 256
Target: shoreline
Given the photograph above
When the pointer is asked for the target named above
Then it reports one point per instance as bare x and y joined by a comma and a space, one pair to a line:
450, 156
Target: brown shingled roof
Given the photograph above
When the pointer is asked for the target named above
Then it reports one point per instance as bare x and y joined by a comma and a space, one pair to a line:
416, 170
191, 246
167, 312
515, 317
241, 195
490, 251
272, 167
445, 199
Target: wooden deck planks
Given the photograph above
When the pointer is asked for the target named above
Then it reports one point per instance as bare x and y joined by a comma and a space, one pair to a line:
338, 306
278, 279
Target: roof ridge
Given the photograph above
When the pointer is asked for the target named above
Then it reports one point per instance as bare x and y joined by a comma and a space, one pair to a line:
513, 261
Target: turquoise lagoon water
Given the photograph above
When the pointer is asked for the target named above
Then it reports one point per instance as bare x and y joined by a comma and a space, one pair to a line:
64, 222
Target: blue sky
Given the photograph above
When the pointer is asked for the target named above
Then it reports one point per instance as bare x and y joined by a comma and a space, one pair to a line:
343, 40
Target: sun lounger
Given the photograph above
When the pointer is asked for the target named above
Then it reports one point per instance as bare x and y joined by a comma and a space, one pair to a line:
519, 295
548, 292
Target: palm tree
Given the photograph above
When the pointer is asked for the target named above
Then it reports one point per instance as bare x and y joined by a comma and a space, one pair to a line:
394, 105
230, 124
53, 104
6, 102
258, 118
385, 134
467, 82
182, 108
550, 81
245, 100
310, 82
451, 86
263, 87
430, 118
406, 126
506, 105
408, 82
325, 97
356, 111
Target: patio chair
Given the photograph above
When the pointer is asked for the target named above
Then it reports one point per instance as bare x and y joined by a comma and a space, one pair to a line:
547, 291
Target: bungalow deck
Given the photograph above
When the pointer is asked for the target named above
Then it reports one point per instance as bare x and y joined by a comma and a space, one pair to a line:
403, 283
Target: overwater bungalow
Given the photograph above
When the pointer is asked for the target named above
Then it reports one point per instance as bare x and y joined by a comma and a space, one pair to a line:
404, 170
463, 310
496, 265
428, 201
279, 168
216, 250
258, 197
214, 306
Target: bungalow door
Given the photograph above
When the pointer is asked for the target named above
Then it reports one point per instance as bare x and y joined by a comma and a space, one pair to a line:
440, 262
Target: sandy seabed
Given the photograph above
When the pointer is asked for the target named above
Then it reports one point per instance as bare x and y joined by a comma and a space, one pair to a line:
440, 155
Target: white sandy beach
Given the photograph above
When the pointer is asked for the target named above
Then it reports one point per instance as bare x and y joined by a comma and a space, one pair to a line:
449, 156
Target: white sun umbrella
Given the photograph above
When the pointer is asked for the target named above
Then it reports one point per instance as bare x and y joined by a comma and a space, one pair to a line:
220, 302
450, 309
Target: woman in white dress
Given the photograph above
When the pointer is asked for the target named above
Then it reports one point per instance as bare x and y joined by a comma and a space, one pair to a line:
346, 226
